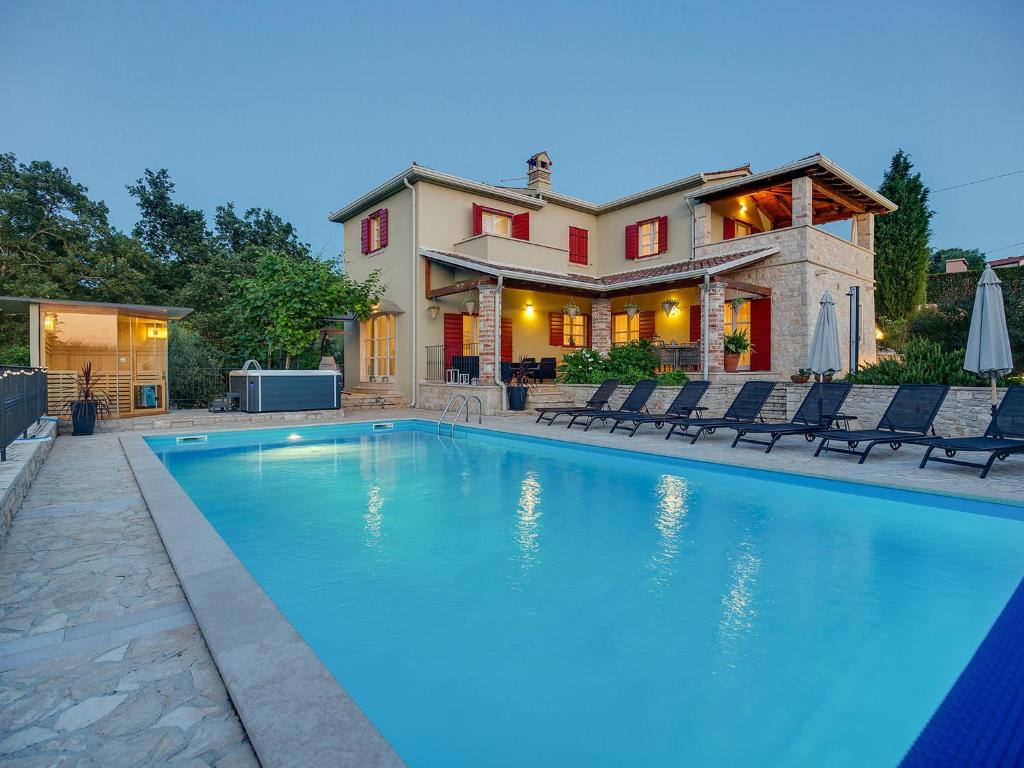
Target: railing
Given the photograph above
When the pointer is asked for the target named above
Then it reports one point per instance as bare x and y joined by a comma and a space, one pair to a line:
465, 358
196, 387
22, 402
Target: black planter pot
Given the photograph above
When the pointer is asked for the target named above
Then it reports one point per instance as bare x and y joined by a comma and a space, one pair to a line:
83, 418
517, 398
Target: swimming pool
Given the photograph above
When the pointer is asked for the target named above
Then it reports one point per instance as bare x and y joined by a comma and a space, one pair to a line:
506, 601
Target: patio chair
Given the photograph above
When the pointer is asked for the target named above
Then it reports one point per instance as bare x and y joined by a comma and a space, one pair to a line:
1004, 436
635, 402
744, 409
685, 403
597, 401
818, 411
907, 419
545, 369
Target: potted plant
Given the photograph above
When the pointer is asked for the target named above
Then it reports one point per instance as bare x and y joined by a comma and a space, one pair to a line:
88, 404
802, 376
736, 344
518, 386
632, 308
669, 306
470, 305
434, 309
572, 309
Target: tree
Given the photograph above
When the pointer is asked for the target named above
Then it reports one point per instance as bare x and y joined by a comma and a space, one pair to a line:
259, 227
937, 263
901, 241
282, 306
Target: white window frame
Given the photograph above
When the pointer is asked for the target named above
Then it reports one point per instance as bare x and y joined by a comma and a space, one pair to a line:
647, 236
378, 354
489, 221
631, 331
375, 233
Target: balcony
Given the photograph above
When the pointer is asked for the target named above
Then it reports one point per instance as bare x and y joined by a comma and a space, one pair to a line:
521, 253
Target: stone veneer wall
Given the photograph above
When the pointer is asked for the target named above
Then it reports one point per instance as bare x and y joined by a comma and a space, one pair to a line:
434, 396
17, 473
966, 410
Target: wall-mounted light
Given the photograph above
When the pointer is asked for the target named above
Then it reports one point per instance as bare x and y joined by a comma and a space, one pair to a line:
529, 308
156, 332
49, 322
879, 334
743, 207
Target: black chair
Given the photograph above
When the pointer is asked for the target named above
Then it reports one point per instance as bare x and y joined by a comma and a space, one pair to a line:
597, 401
468, 365
685, 403
818, 411
546, 369
634, 403
1004, 436
907, 419
744, 409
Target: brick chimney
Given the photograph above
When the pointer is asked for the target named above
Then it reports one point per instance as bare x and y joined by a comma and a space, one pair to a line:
538, 172
956, 265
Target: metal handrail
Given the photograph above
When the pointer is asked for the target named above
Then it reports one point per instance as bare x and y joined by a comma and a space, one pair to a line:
444, 413
462, 408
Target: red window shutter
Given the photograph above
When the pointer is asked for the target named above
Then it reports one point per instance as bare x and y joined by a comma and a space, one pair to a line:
506, 340
662, 234
452, 337
729, 229
478, 219
695, 324
586, 330
383, 215
555, 328
632, 241
578, 245
521, 226
761, 334
646, 325
365, 225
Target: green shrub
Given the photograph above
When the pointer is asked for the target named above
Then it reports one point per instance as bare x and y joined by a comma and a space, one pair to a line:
925, 363
947, 328
672, 379
894, 333
194, 368
15, 354
581, 366
629, 363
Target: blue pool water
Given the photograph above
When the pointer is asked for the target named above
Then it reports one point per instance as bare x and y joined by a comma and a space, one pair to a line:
496, 601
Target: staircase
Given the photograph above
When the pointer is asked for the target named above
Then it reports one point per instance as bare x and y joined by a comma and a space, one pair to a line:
547, 396
368, 397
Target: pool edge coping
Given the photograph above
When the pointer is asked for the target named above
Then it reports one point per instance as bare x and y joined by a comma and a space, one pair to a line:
294, 711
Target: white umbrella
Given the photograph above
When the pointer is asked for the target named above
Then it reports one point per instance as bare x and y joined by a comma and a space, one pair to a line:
824, 357
988, 345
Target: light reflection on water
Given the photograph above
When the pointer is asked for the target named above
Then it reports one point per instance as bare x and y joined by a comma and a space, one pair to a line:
739, 604
673, 497
528, 516
373, 520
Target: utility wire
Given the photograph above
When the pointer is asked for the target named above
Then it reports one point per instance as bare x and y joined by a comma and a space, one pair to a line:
979, 181
1002, 248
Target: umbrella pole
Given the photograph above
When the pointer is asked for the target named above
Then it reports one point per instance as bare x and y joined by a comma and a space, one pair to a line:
993, 380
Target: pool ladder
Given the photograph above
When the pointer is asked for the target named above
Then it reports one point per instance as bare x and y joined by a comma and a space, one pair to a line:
464, 408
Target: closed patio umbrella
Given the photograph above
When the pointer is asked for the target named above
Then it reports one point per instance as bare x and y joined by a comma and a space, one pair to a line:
988, 345
824, 357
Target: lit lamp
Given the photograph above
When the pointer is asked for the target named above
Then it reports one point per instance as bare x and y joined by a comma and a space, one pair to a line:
529, 308
879, 334
156, 332
49, 322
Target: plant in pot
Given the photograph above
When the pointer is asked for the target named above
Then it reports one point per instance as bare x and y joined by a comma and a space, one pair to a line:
89, 403
669, 305
736, 344
802, 376
632, 309
518, 386
470, 305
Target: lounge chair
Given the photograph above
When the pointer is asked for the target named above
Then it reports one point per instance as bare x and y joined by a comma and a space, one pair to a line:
816, 413
1004, 436
597, 401
907, 419
686, 403
744, 409
634, 403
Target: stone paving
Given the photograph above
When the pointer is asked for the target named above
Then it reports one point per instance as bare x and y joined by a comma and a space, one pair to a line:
101, 662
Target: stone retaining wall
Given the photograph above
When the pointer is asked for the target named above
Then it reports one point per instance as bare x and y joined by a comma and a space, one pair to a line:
17, 473
966, 410
434, 396
203, 419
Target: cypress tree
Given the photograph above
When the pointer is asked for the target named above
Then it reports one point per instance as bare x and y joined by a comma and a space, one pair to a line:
901, 242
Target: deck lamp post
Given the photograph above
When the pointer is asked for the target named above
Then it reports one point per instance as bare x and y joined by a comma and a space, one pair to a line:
854, 294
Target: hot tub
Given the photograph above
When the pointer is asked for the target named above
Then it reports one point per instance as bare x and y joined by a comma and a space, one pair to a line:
262, 391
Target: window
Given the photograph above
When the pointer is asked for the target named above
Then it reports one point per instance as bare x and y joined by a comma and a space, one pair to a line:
375, 231
578, 245
625, 328
735, 228
470, 331
739, 321
495, 223
378, 335
648, 231
574, 331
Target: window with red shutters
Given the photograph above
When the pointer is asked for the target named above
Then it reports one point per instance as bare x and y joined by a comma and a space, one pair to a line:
452, 337
365, 235
662, 234
761, 334
383, 217
729, 229
374, 231
555, 327
478, 219
506, 340
578, 246
647, 325
632, 241
695, 324
521, 226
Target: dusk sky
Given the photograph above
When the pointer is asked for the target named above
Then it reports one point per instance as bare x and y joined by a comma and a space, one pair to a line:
301, 107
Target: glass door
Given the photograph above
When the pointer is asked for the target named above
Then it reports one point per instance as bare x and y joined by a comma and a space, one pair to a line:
739, 321
378, 349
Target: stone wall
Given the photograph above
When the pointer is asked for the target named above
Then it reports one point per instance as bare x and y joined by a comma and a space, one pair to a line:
434, 396
966, 410
17, 473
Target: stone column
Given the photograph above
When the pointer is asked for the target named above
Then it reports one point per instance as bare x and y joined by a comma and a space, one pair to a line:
701, 224
803, 214
601, 325
715, 305
864, 230
488, 300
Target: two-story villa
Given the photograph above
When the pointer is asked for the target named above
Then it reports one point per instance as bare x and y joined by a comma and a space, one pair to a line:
493, 273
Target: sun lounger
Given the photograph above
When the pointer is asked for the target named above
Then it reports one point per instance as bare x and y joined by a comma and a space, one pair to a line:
685, 403
634, 403
597, 401
744, 409
818, 411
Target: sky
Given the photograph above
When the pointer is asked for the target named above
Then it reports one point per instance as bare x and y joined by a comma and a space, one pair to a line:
302, 107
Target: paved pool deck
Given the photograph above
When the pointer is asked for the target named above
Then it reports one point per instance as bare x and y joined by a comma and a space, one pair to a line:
101, 659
